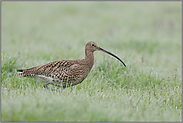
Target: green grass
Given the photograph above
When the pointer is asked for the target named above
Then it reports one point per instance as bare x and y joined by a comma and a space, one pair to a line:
145, 35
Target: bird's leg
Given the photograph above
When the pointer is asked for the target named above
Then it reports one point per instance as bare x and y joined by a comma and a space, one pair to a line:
45, 86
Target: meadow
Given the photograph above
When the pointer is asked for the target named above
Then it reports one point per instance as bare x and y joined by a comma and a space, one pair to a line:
145, 35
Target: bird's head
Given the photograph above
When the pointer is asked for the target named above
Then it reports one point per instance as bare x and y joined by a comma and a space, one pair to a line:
92, 46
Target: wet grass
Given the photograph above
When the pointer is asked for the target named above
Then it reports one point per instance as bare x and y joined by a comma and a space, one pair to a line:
147, 38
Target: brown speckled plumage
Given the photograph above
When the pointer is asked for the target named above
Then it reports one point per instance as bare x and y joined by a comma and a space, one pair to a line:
65, 73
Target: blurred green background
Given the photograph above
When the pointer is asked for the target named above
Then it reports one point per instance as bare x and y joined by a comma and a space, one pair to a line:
60, 30
145, 35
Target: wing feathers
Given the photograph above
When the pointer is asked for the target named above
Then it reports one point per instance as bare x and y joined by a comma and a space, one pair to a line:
59, 68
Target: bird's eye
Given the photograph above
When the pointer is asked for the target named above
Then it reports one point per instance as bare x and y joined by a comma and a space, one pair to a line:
92, 45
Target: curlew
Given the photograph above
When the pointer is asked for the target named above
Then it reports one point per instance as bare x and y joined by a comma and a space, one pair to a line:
65, 73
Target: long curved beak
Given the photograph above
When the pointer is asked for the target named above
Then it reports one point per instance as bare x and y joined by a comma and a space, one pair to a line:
99, 48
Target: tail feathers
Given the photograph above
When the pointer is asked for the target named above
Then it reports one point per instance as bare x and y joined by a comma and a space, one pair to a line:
25, 73
20, 74
20, 70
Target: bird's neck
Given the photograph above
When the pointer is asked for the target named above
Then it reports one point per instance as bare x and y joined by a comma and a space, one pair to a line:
89, 57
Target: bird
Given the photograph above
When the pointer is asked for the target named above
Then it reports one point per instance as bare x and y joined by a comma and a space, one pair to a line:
66, 73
